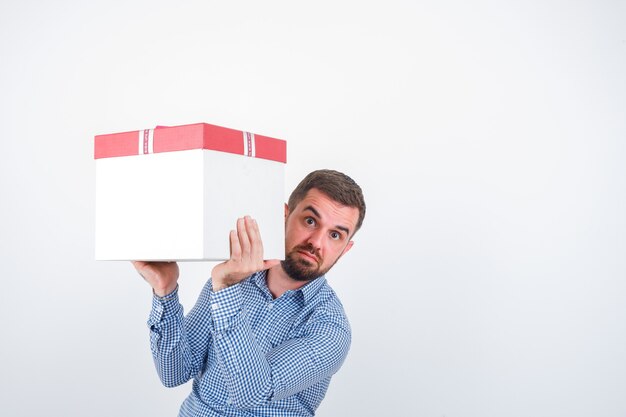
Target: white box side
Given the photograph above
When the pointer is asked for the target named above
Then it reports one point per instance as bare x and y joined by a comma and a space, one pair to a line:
246, 186
150, 207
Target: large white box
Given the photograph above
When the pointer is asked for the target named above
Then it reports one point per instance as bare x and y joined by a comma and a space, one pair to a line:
174, 193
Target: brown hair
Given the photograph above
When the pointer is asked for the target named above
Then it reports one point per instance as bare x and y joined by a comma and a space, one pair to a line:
336, 185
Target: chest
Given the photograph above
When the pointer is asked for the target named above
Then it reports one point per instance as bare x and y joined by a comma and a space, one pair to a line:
274, 321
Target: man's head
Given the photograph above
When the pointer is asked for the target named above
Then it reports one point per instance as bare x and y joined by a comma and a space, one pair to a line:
336, 185
324, 211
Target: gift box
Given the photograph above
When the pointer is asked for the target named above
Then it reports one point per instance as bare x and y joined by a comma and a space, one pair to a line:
174, 193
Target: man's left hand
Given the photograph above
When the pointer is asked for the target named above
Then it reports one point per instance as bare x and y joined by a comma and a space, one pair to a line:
246, 256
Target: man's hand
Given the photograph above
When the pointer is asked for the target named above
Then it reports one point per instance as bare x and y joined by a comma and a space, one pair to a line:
246, 256
162, 276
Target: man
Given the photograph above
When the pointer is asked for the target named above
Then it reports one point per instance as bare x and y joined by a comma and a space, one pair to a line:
265, 336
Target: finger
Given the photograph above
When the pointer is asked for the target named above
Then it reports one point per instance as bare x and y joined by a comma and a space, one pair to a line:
256, 241
252, 228
235, 248
141, 267
244, 238
138, 264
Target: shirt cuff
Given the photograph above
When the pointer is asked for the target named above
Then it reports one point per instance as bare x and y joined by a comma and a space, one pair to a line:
225, 306
163, 307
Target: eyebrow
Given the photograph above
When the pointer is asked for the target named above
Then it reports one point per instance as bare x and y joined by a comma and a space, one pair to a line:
342, 228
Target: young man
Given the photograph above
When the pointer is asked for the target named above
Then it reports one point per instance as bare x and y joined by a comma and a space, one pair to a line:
265, 337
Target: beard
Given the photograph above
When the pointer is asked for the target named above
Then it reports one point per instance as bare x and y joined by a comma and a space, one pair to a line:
300, 269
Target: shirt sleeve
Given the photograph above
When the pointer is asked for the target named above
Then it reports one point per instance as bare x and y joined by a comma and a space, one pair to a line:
254, 378
179, 343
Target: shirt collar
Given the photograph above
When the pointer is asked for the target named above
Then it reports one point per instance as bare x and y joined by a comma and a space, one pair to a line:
308, 291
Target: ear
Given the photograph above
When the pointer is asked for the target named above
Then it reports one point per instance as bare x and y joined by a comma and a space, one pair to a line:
348, 247
286, 211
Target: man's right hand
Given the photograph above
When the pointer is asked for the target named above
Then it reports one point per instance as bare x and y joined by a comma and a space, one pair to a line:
162, 276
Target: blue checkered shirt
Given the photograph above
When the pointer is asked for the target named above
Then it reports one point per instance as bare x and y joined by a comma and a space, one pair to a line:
248, 353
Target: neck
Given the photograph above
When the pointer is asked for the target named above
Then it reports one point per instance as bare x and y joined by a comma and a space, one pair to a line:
278, 282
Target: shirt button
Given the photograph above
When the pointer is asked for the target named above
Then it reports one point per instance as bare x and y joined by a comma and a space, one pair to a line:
270, 306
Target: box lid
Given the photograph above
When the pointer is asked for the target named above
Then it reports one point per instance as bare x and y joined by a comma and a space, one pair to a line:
193, 136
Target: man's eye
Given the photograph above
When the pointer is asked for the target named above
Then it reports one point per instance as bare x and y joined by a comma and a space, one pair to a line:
334, 235
310, 221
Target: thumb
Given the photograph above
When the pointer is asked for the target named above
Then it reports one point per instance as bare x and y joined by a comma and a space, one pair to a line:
139, 264
270, 263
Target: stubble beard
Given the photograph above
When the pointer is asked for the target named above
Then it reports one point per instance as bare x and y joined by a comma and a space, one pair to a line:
301, 269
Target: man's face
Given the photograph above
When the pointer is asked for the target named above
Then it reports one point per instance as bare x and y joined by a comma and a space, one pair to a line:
317, 234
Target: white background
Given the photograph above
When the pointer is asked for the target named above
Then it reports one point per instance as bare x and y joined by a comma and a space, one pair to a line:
489, 138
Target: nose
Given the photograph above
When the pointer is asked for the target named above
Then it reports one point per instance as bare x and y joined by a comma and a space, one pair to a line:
315, 239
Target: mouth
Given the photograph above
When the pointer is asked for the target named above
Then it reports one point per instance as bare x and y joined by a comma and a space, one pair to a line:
308, 255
